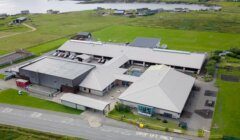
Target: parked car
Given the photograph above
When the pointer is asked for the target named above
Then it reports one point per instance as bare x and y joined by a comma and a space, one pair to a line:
72, 56
9, 76
55, 54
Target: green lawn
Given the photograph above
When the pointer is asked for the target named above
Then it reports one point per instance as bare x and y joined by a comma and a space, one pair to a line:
2, 76
226, 117
16, 133
178, 30
5, 27
51, 27
149, 122
226, 20
46, 47
175, 39
10, 96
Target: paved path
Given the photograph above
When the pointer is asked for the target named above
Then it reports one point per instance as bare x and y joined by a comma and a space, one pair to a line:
13, 34
71, 125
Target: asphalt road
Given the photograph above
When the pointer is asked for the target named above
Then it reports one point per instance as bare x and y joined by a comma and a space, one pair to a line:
72, 126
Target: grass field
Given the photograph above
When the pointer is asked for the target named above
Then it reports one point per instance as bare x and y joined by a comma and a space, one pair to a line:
2, 76
226, 117
175, 39
51, 27
10, 96
8, 132
226, 20
46, 47
171, 28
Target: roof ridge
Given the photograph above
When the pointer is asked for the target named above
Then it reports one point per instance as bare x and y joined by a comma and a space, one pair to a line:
136, 91
164, 76
94, 74
164, 90
157, 84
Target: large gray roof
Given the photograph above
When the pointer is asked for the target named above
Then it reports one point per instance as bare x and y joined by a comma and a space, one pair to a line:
145, 42
160, 87
159, 56
58, 67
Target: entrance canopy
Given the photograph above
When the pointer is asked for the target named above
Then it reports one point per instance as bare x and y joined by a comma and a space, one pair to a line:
84, 101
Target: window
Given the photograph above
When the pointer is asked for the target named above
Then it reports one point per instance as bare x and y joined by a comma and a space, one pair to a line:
145, 109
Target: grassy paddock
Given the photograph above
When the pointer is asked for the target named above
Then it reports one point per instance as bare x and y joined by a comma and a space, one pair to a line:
10, 96
175, 39
51, 27
46, 47
8, 132
226, 116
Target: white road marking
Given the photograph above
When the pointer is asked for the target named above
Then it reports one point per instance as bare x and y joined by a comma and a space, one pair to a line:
153, 136
67, 121
36, 115
7, 110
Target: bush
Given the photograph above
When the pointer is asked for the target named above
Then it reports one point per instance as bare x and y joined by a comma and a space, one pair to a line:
166, 129
216, 58
122, 108
235, 51
165, 121
200, 133
217, 52
211, 67
208, 78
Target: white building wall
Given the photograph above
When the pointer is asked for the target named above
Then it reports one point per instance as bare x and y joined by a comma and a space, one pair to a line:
91, 91
161, 111
80, 107
69, 104
156, 110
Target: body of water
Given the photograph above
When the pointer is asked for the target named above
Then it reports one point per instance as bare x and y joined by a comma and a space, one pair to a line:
41, 6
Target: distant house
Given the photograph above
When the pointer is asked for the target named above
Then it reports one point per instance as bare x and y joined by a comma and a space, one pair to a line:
3, 16
25, 12
83, 36
141, 10
146, 12
224, 53
119, 12
181, 10
145, 42
50, 11
100, 8
19, 20
129, 13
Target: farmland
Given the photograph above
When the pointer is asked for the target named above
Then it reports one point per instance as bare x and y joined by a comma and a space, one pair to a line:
52, 27
226, 117
194, 31
175, 39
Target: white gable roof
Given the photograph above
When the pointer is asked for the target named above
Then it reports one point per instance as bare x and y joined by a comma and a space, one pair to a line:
161, 87
103, 75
